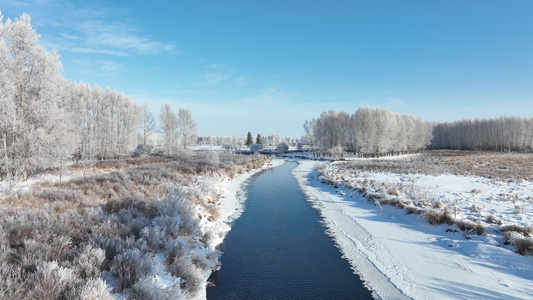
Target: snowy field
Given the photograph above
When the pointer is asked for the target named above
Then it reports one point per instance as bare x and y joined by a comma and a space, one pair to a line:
402, 256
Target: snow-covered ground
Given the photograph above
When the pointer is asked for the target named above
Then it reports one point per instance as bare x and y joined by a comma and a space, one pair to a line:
402, 256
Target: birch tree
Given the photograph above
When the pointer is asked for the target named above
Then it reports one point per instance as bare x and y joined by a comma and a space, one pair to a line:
186, 128
369, 131
35, 75
7, 105
148, 126
169, 127
496, 134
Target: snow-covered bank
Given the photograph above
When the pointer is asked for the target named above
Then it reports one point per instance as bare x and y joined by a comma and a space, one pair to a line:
401, 256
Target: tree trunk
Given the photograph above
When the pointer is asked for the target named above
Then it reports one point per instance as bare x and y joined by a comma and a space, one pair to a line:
6, 157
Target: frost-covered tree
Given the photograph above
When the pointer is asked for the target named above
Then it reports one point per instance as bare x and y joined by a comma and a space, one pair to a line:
169, 127
45, 120
7, 105
148, 126
369, 131
186, 128
309, 137
33, 131
496, 134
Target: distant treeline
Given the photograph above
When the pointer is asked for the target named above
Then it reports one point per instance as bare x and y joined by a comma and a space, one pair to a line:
378, 131
498, 134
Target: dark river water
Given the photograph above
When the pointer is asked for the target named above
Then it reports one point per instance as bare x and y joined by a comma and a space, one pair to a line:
278, 249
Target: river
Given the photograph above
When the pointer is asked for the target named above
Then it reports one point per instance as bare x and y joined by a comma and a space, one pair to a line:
278, 248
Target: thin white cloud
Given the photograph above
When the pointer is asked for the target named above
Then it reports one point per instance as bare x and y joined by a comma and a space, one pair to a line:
96, 51
84, 28
241, 81
218, 74
118, 35
70, 37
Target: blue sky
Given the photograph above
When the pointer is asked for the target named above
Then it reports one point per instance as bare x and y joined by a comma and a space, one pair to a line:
267, 66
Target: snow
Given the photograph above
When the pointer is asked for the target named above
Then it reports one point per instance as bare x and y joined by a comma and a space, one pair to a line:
206, 148
401, 256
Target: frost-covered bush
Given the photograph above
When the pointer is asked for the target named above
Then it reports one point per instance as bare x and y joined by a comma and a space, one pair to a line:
51, 281
93, 289
68, 235
151, 289
283, 146
88, 262
184, 154
211, 158
132, 265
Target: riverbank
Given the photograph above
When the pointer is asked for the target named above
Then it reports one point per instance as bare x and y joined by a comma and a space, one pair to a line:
401, 256
278, 248
131, 229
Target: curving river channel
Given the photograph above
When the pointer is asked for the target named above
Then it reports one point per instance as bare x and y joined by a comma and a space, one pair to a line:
278, 248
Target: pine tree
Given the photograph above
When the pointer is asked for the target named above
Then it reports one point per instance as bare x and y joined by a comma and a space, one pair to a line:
259, 139
249, 139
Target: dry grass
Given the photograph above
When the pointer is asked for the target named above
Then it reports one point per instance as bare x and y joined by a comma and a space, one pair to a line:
437, 217
65, 236
495, 165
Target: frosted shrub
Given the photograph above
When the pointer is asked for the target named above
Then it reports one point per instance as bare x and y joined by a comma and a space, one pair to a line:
184, 154
177, 249
187, 271
94, 289
155, 236
88, 262
50, 281
113, 245
150, 289
207, 261
211, 158
175, 204
112, 223
132, 265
